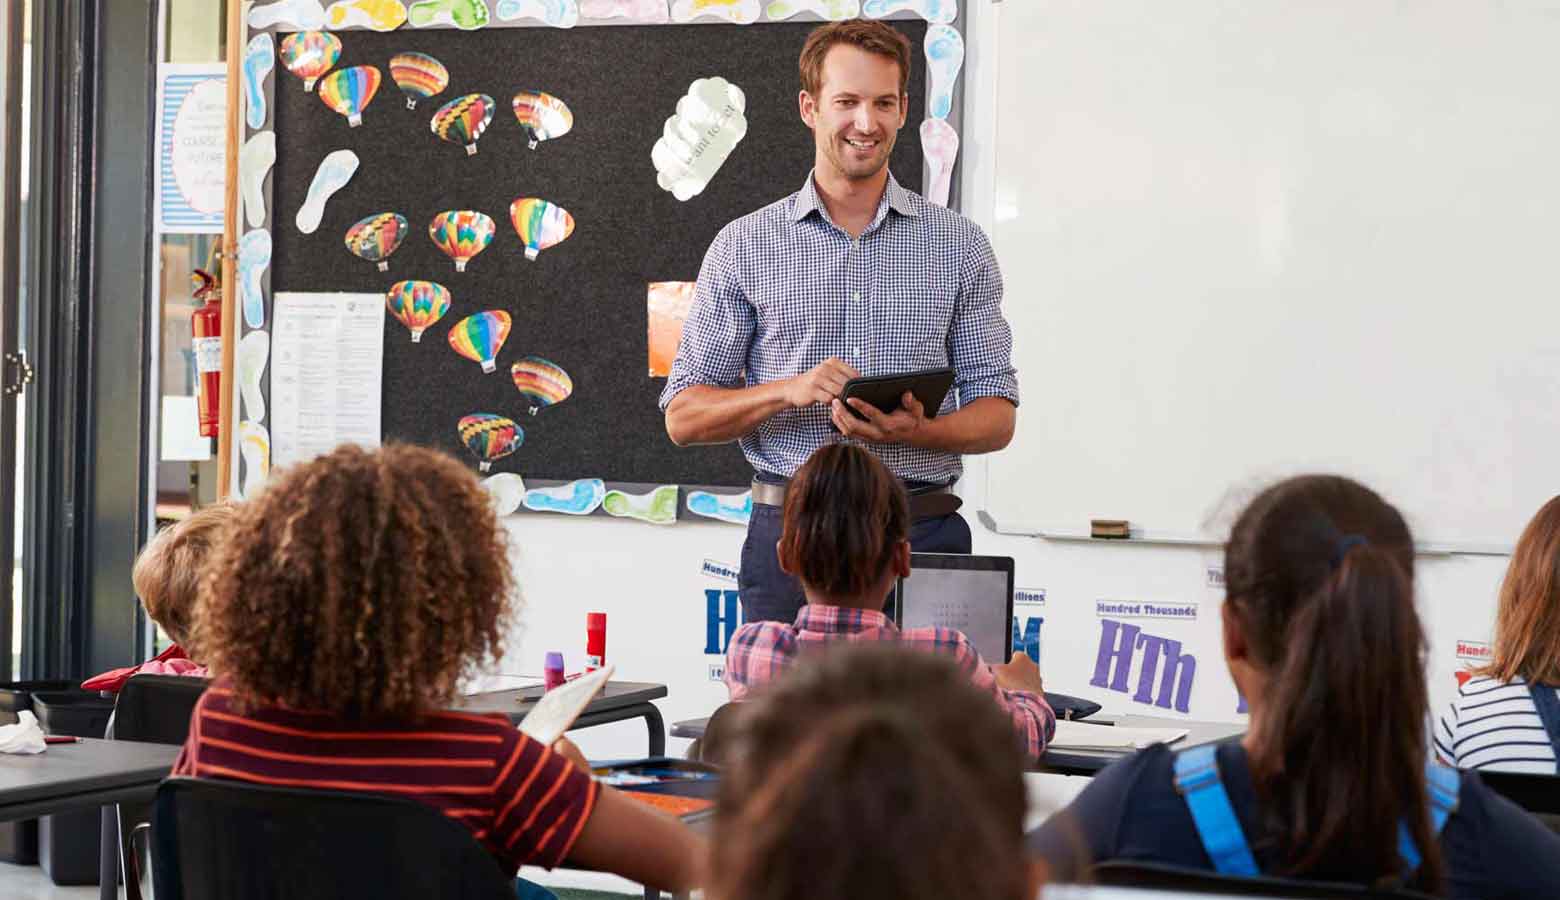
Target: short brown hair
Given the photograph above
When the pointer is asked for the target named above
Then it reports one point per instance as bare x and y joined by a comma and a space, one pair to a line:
364, 583
867, 34
1527, 619
873, 771
168, 571
844, 512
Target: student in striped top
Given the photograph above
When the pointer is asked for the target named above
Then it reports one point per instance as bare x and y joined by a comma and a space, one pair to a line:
1507, 717
347, 603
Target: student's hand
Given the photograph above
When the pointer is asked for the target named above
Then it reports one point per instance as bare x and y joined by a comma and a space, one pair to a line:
566, 749
821, 384
880, 427
1018, 674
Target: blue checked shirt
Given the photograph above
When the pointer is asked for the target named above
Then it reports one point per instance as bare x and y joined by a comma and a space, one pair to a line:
784, 288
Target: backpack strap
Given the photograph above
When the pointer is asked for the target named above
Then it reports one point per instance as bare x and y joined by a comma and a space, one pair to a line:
1443, 784
1548, 705
1197, 781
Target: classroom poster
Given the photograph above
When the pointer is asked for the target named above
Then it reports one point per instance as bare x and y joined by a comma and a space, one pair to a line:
191, 147
326, 369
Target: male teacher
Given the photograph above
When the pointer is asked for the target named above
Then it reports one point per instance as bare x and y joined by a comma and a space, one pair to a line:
852, 275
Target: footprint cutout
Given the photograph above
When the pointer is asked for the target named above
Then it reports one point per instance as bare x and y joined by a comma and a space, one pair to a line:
259, 60
740, 12
833, 10
940, 148
254, 349
507, 490
659, 507
577, 498
255, 160
304, 15
377, 15
254, 255
557, 13
336, 169
944, 57
733, 508
254, 445
938, 11
641, 10
467, 15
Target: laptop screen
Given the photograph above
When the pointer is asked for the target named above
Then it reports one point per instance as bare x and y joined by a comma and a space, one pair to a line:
973, 594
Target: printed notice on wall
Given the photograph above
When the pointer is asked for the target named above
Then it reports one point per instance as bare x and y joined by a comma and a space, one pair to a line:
191, 146
327, 358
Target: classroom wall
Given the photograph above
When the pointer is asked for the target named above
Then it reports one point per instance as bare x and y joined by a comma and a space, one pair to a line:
1134, 628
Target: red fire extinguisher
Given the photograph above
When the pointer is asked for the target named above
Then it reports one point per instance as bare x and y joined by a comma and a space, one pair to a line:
206, 326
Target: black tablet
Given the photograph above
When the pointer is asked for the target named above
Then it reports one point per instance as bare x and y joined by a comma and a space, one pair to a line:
929, 386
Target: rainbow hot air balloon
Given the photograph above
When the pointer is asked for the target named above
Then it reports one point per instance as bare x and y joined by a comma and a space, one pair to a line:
462, 120
310, 54
478, 337
461, 234
418, 75
542, 382
376, 237
540, 224
490, 437
348, 91
543, 116
418, 304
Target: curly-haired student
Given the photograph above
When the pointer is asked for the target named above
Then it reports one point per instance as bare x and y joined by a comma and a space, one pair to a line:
339, 616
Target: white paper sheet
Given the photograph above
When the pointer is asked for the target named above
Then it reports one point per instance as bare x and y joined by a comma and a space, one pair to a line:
327, 363
1083, 736
181, 438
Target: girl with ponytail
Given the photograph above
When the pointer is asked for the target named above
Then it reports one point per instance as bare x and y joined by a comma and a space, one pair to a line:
1322, 639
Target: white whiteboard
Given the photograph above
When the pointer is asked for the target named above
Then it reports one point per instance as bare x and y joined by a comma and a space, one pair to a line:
1248, 238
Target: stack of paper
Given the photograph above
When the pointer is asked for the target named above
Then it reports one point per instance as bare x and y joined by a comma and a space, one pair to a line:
1083, 736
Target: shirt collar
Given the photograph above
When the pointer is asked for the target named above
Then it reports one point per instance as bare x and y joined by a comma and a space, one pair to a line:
841, 620
895, 197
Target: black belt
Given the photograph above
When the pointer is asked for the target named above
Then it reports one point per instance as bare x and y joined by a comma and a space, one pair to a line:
929, 502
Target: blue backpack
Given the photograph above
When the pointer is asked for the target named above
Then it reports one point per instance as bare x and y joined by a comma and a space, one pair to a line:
1197, 780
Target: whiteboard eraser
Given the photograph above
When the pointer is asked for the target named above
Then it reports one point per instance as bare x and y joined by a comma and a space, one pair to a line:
1110, 529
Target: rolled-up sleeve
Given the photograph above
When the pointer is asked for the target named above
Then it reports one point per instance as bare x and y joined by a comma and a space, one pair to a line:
980, 343
719, 330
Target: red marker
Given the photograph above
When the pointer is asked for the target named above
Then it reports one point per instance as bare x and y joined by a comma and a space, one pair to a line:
61, 739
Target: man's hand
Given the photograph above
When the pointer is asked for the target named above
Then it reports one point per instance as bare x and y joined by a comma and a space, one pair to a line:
1018, 674
880, 427
821, 384
566, 749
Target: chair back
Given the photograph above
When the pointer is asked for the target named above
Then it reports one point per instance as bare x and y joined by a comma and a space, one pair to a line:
156, 708
228, 840
1162, 876
717, 733
1538, 794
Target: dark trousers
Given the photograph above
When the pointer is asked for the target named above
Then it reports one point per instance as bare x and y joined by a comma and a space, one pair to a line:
769, 594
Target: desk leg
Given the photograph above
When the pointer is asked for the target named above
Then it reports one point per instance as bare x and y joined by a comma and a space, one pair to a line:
108, 854
657, 729
654, 724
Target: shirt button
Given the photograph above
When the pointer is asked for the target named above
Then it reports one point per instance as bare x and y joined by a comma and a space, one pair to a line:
855, 351
856, 295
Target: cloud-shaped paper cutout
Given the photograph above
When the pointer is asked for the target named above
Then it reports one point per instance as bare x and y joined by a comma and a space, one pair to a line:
696, 141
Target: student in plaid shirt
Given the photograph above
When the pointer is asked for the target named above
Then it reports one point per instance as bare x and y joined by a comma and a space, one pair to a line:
844, 536
851, 275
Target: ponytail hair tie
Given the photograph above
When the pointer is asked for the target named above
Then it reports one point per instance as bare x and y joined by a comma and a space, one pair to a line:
1345, 544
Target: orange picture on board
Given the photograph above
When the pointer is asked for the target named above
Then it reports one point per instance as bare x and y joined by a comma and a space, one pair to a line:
668, 304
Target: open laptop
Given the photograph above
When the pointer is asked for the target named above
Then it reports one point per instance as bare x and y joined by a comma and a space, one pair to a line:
955, 590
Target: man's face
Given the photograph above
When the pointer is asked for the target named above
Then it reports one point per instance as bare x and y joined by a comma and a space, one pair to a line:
857, 113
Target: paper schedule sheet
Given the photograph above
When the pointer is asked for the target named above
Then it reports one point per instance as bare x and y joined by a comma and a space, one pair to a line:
327, 365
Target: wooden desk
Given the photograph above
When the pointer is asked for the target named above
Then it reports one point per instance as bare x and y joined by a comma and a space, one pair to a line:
617, 702
86, 774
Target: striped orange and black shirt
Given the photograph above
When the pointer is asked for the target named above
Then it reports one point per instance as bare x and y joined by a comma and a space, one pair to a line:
525, 803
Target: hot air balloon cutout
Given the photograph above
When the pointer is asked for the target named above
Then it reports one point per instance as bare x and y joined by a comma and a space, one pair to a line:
419, 76
479, 337
348, 91
543, 116
541, 382
310, 54
418, 305
462, 120
376, 237
461, 234
540, 224
489, 437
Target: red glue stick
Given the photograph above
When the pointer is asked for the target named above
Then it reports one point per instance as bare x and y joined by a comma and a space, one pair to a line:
595, 641
552, 671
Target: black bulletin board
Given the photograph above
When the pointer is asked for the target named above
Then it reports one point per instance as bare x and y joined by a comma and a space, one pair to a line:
582, 304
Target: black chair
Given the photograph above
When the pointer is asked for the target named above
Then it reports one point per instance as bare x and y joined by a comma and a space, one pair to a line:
155, 709
1538, 794
1160, 876
227, 840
